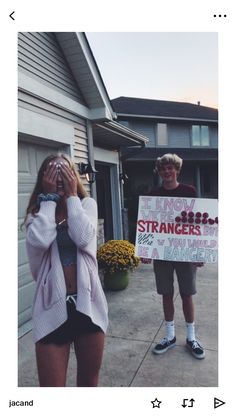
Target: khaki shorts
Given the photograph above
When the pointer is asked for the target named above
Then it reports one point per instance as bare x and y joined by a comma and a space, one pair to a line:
164, 273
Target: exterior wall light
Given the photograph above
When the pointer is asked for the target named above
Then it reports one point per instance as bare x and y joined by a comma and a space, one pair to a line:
88, 170
123, 177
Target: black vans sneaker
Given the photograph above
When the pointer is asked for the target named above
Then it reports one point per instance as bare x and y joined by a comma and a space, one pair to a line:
164, 345
195, 348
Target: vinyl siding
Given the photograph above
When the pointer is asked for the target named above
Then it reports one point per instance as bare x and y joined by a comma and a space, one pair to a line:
213, 131
178, 136
44, 108
146, 128
40, 56
81, 149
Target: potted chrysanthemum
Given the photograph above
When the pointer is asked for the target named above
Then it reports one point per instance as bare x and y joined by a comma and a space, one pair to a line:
115, 259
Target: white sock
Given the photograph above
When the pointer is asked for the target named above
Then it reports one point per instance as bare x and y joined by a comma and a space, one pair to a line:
170, 330
190, 329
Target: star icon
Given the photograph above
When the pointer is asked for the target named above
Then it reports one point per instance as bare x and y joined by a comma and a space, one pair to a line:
156, 403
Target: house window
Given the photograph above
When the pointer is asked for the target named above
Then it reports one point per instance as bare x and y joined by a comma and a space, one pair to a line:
162, 137
200, 136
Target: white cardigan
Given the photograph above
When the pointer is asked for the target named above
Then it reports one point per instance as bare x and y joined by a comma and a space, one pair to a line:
49, 305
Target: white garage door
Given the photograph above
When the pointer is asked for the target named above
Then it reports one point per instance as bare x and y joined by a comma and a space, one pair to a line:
30, 157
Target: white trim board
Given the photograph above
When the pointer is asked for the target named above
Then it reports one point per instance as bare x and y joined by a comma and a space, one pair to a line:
42, 126
106, 156
34, 87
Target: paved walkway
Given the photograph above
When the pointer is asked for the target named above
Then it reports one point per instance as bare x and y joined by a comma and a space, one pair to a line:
136, 324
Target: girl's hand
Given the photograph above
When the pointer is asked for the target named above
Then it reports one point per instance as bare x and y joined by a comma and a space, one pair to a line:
49, 181
69, 181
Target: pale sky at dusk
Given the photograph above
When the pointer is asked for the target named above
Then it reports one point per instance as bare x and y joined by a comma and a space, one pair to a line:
178, 66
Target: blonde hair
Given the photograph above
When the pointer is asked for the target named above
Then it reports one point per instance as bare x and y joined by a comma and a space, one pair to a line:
33, 207
169, 159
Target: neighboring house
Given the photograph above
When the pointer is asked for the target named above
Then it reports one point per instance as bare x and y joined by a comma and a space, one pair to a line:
64, 106
189, 130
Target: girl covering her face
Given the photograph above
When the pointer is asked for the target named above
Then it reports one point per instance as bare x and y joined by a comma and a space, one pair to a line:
69, 304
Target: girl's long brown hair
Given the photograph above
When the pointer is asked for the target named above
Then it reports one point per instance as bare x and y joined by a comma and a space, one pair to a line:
32, 206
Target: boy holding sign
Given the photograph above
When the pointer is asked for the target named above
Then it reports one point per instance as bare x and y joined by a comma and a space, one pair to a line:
168, 167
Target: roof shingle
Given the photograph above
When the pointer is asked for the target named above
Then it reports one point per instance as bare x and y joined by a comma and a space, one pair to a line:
163, 108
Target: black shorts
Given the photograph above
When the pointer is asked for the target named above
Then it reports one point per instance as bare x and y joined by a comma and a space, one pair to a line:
164, 273
76, 325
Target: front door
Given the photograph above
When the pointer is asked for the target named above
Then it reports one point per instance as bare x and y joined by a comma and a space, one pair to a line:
104, 199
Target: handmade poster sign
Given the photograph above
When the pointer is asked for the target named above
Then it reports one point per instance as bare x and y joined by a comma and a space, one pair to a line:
177, 229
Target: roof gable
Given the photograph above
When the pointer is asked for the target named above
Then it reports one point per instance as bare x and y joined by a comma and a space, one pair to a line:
81, 61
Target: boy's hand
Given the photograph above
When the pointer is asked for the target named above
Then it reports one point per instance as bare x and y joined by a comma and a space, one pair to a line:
198, 264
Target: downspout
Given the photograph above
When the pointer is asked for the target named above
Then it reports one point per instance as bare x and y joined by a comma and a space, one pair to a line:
124, 211
91, 155
120, 181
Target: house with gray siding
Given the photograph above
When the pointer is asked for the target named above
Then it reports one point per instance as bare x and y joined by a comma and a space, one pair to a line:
189, 130
64, 106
